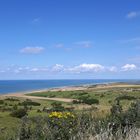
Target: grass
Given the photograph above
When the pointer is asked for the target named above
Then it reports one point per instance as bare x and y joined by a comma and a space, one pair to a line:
8, 124
106, 97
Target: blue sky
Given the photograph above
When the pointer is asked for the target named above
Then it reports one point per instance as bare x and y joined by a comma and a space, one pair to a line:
69, 39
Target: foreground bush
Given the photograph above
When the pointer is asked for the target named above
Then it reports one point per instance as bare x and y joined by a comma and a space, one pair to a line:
63, 124
19, 113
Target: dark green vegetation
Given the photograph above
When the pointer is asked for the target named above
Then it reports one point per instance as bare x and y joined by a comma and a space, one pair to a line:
29, 102
119, 125
19, 113
86, 100
95, 110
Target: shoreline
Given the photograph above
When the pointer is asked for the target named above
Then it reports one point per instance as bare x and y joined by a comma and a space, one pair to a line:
80, 87
62, 88
68, 88
71, 88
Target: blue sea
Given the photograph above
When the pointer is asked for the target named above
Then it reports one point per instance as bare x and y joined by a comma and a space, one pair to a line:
13, 86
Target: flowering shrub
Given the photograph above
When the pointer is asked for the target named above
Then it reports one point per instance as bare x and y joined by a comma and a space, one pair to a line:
63, 124
61, 115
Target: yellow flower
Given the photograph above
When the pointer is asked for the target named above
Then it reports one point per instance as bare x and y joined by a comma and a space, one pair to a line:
61, 115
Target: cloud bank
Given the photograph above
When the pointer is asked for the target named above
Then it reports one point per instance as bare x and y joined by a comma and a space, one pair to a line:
77, 69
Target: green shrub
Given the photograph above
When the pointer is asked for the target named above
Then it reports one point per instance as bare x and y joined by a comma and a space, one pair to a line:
126, 97
56, 106
91, 101
29, 103
19, 113
11, 99
1, 102
88, 100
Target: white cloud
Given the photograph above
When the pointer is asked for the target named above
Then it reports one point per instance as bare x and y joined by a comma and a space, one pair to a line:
34, 69
113, 69
57, 68
90, 68
84, 44
86, 68
32, 50
132, 14
38, 69
129, 67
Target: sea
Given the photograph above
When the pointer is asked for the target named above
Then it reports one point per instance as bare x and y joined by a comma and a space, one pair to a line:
17, 86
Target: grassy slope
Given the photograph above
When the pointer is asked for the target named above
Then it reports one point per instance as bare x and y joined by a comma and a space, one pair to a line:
106, 97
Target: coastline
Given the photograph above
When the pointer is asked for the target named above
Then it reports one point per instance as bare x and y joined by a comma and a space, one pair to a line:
68, 88
76, 87
63, 88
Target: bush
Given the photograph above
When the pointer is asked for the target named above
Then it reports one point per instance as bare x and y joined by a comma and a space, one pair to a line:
5, 108
116, 109
1, 102
91, 101
11, 99
123, 121
63, 124
56, 106
19, 113
126, 97
88, 100
29, 103
75, 102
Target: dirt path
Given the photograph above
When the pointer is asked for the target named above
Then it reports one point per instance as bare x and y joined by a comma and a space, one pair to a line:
35, 97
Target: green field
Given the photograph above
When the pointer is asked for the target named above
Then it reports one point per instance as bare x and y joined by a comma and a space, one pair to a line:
106, 96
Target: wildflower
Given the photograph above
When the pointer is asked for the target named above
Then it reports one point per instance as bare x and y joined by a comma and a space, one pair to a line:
61, 115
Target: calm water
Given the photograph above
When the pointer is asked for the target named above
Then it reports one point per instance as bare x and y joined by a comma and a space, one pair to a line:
11, 86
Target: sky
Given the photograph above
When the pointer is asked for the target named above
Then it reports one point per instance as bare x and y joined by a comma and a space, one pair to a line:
69, 39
